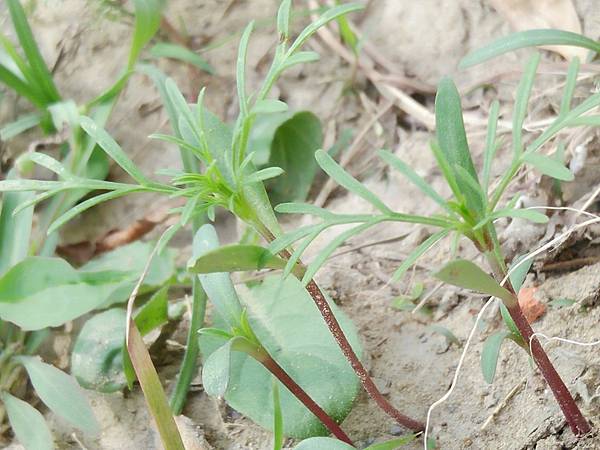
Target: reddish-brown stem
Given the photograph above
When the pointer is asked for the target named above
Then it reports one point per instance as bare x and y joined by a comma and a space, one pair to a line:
301, 395
565, 400
579, 425
337, 332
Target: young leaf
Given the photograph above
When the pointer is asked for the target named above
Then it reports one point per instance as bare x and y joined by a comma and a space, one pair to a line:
110, 146
528, 38
549, 166
264, 174
452, 140
241, 70
418, 252
283, 19
174, 51
61, 393
23, 123
490, 353
27, 423
518, 275
335, 171
449, 335
300, 58
465, 274
510, 323
233, 258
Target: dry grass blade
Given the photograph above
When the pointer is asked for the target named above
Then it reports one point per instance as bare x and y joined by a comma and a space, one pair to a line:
155, 396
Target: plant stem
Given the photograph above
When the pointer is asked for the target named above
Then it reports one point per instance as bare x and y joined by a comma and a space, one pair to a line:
341, 339
573, 415
190, 358
272, 366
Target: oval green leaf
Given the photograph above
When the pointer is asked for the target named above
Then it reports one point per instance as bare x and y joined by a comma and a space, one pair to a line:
27, 423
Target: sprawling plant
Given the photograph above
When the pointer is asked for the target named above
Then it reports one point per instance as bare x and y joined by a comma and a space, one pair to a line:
250, 332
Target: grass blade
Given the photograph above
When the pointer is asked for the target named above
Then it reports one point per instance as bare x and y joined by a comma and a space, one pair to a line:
20, 125
335, 171
528, 38
147, 21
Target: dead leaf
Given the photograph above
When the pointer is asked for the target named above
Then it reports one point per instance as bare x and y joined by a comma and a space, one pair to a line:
532, 14
532, 308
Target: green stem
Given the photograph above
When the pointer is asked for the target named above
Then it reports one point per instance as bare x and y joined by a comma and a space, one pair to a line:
189, 365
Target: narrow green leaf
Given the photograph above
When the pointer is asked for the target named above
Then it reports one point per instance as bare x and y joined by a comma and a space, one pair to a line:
264, 174
49, 163
277, 418
21, 87
450, 128
490, 145
528, 38
233, 258
510, 323
571, 81
418, 252
300, 58
27, 423
528, 214
314, 266
112, 149
303, 208
449, 335
467, 275
549, 166
241, 69
326, 17
343, 178
174, 51
561, 302
286, 240
154, 313
417, 180
490, 353
61, 393
521, 102
87, 204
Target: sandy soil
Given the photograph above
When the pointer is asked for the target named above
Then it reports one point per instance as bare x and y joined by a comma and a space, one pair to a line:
414, 364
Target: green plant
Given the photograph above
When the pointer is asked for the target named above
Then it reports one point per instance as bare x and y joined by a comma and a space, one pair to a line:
474, 206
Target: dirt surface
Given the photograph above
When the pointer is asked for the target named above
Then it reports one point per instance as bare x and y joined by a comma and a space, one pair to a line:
411, 362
